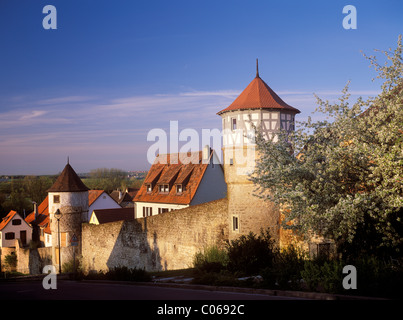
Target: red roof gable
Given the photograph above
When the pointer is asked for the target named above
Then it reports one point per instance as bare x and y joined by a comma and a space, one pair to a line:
7, 219
258, 95
173, 169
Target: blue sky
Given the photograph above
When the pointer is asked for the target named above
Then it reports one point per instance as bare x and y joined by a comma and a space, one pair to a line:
113, 70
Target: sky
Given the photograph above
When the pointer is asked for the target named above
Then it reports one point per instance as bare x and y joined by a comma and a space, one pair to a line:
112, 71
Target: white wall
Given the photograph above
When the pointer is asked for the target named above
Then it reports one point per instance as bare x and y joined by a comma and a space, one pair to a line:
139, 207
104, 201
68, 199
16, 229
212, 187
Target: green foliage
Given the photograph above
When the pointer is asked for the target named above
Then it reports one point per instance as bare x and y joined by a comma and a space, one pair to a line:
10, 260
341, 176
291, 269
212, 259
285, 269
106, 179
249, 254
121, 274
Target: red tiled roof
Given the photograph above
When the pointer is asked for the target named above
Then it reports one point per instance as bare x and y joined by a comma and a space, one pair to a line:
116, 214
7, 219
180, 171
258, 95
43, 212
68, 181
94, 195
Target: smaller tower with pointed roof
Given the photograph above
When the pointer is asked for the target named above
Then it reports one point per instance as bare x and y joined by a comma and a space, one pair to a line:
69, 195
260, 105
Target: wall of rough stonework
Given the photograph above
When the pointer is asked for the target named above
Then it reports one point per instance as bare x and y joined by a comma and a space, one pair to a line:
32, 261
167, 241
254, 214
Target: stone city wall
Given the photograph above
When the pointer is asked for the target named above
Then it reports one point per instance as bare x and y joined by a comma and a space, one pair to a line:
166, 241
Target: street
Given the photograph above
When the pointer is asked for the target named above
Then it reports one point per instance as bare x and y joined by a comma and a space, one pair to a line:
74, 290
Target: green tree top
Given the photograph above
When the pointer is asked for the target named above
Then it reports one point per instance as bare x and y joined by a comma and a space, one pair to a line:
342, 177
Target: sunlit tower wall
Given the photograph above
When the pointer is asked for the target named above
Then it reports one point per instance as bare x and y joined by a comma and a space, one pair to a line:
260, 105
70, 196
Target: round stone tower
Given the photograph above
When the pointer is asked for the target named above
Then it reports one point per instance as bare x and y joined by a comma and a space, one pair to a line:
69, 195
260, 105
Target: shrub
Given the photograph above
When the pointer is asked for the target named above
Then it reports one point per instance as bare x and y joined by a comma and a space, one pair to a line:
250, 254
311, 274
10, 260
126, 274
120, 274
285, 271
212, 259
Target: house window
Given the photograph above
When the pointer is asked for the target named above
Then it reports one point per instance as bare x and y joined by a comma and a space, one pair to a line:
149, 188
231, 162
179, 188
164, 188
233, 124
10, 235
16, 222
147, 211
235, 223
56, 199
162, 210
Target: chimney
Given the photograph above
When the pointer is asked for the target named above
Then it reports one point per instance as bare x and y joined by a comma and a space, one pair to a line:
120, 194
206, 154
35, 210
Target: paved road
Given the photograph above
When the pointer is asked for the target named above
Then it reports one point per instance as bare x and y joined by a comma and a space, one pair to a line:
69, 290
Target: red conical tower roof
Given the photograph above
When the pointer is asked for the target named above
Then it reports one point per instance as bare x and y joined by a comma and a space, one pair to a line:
68, 181
258, 95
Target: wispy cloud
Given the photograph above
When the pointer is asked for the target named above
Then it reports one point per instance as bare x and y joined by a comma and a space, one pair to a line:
101, 128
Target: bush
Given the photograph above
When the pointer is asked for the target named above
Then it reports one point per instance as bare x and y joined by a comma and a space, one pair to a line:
121, 274
126, 274
213, 259
10, 260
250, 254
285, 272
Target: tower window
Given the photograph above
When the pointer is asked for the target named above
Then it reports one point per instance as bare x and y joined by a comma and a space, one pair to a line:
233, 124
56, 199
235, 223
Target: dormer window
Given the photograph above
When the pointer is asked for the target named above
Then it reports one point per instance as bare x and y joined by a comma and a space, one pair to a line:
149, 188
179, 188
164, 188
